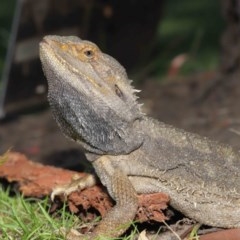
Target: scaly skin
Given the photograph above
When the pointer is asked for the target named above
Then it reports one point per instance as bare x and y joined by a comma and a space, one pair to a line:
94, 104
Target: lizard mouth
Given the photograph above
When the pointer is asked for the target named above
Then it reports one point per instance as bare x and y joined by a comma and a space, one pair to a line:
45, 42
47, 45
45, 48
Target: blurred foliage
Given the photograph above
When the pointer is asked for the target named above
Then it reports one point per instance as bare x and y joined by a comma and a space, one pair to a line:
193, 28
6, 17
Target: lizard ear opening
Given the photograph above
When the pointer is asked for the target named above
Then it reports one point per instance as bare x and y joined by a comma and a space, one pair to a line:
118, 91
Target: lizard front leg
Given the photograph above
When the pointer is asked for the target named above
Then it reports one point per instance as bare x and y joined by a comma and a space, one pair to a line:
117, 221
120, 217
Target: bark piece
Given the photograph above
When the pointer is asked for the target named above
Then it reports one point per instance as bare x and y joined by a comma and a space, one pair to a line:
34, 179
37, 180
228, 234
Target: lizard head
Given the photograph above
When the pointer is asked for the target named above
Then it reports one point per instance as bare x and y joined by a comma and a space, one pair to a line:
91, 96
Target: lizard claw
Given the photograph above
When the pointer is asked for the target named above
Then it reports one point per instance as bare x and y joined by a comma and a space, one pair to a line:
59, 190
77, 184
73, 234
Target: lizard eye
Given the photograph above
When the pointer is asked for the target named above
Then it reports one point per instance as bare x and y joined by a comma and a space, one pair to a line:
88, 53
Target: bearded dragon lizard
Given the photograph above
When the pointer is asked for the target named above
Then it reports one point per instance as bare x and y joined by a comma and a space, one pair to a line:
94, 104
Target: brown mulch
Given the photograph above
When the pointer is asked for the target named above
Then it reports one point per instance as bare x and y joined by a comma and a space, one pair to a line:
38, 180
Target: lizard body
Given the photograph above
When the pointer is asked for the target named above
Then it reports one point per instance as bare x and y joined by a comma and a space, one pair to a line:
94, 104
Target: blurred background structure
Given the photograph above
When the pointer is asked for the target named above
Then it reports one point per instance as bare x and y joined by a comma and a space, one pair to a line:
183, 54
